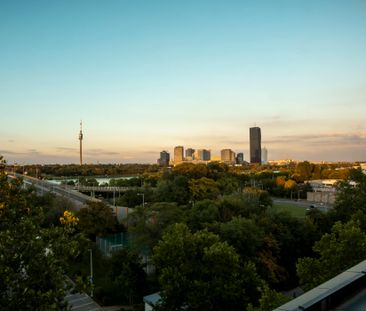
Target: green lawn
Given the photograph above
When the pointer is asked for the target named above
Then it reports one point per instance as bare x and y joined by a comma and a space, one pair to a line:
294, 210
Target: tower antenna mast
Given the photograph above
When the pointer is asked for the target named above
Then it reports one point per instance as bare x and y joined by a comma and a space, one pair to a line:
81, 142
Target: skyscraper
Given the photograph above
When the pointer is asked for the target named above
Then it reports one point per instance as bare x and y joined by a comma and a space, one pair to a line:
240, 158
202, 155
255, 145
228, 156
164, 158
264, 155
178, 154
189, 153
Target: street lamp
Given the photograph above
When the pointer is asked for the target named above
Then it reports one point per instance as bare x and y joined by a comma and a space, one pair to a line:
143, 198
91, 271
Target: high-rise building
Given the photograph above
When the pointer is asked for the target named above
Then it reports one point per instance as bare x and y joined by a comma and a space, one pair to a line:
255, 145
178, 154
164, 158
81, 136
228, 156
202, 155
240, 158
190, 153
264, 155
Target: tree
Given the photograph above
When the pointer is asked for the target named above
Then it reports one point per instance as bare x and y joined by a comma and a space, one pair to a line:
90, 182
147, 223
174, 189
33, 258
130, 198
303, 171
351, 196
96, 220
244, 235
203, 188
203, 213
228, 185
216, 169
198, 272
287, 239
128, 276
191, 170
290, 186
270, 299
339, 250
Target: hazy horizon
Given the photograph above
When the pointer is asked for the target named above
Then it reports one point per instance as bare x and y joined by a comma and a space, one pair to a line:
150, 75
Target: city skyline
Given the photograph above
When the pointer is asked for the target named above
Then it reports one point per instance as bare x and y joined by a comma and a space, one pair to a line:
149, 76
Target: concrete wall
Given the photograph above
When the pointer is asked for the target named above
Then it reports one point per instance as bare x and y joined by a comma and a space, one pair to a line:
323, 197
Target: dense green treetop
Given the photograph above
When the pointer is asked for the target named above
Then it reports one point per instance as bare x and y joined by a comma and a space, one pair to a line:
96, 219
33, 257
339, 250
199, 272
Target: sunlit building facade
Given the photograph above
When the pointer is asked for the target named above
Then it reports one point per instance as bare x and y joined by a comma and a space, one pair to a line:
228, 156
189, 154
202, 155
178, 154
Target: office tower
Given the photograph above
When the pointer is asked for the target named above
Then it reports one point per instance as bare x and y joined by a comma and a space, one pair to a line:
255, 145
264, 155
228, 156
164, 158
178, 154
81, 136
206, 155
189, 153
202, 155
240, 158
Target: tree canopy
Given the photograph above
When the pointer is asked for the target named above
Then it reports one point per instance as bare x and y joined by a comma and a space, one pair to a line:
199, 272
339, 250
33, 257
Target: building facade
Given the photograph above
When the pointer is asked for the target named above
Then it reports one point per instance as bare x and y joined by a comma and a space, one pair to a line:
255, 145
178, 154
240, 158
190, 154
164, 158
202, 155
228, 156
264, 155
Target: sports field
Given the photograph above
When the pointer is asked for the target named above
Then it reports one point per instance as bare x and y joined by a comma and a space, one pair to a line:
294, 210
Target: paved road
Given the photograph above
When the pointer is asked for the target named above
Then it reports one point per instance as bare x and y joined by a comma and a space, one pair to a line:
43, 186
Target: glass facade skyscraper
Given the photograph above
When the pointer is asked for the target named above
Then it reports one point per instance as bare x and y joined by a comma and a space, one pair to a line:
255, 145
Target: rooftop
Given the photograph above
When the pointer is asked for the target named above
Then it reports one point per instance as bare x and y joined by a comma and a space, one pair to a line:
346, 291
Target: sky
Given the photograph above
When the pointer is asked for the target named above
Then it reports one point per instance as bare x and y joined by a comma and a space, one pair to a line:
147, 75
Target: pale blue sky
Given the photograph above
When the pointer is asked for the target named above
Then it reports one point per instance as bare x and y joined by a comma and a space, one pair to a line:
148, 75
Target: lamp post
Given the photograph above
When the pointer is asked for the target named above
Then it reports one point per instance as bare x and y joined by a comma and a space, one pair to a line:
91, 271
143, 198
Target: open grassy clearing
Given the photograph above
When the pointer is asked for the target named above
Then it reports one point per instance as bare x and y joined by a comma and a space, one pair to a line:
294, 210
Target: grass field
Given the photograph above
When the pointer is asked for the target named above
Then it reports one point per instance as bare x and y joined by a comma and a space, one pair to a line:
294, 210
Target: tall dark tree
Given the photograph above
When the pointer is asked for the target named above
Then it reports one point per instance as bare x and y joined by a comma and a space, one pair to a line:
128, 276
198, 272
96, 220
351, 196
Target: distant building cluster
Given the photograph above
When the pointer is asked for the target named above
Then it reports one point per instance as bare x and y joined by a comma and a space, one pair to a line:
227, 156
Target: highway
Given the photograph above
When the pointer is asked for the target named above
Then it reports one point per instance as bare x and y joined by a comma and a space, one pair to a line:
43, 186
